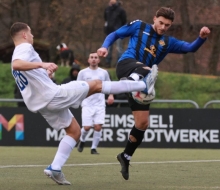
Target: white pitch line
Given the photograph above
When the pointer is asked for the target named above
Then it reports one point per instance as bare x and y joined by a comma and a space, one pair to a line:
188, 187
114, 163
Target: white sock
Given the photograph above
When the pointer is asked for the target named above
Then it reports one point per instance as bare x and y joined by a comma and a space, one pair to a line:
123, 86
135, 76
65, 147
127, 156
83, 134
96, 138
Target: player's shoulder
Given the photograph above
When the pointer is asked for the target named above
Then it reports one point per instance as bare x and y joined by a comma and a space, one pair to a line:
23, 48
171, 38
84, 70
135, 22
28, 45
101, 69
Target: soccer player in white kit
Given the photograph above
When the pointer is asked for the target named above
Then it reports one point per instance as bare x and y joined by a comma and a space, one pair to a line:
53, 101
93, 107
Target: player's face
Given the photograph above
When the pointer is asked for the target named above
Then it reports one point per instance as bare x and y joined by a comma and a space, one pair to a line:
161, 25
112, 2
93, 60
29, 36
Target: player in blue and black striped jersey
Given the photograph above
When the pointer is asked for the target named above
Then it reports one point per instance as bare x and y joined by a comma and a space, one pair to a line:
147, 47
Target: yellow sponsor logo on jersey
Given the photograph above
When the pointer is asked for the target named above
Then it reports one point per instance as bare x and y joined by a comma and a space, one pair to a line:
152, 50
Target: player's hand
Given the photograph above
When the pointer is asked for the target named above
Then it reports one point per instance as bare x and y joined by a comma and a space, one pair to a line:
52, 67
204, 32
50, 73
110, 99
102, 52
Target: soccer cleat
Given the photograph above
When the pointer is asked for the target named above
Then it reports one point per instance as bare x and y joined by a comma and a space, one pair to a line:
56, 175
94, 151
150, 80
81, 146
124, 165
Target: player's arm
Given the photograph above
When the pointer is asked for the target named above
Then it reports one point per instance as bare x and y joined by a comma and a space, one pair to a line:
109, 40
195, 45
21, 65
110, 99
125, 31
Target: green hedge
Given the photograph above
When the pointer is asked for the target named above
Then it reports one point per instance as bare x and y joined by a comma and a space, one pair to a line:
198, 88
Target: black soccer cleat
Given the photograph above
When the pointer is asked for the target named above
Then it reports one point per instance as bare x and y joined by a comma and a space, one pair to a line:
94, 151
80, 146
124, 165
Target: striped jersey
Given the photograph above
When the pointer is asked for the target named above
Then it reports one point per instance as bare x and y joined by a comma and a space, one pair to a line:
145, 45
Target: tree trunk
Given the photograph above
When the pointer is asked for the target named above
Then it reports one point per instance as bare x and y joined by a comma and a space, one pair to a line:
213, 63
188, 59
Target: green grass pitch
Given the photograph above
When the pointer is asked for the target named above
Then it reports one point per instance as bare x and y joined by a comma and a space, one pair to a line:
171, 169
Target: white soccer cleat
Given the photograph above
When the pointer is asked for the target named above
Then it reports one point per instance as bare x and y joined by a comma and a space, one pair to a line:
150, 80
56, 175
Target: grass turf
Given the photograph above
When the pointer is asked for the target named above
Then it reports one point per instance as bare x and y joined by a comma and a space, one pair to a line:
22, 168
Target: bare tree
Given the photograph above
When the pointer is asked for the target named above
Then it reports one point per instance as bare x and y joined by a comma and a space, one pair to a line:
79, 24
214, 57
187, 27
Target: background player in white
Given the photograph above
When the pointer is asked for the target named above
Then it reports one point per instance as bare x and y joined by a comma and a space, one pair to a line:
53, 101
93, 107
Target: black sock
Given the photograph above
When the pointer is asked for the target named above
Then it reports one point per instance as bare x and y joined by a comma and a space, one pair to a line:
132, 146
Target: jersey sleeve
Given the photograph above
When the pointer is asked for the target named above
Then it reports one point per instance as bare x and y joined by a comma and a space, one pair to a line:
175, 45
23, 52
193, 46
80, 76
128, 29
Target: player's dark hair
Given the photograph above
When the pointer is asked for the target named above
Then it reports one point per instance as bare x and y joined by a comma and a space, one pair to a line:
92, 53
166, 12
17, 27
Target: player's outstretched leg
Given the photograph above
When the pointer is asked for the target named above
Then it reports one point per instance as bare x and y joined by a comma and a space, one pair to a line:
56, 175
124, 165
150, 80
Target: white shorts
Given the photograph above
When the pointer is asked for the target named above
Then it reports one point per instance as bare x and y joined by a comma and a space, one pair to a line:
57, 112
93, 115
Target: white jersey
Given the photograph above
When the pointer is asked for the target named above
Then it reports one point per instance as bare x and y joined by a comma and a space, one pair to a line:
36, 87
87, 74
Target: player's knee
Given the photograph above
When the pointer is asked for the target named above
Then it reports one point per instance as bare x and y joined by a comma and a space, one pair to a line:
142, 124
74, 130
98, 85
75, 134
86, 128
97, 127
95, 86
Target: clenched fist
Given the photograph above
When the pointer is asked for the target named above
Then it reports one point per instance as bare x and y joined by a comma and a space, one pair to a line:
204, 32
102, 52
